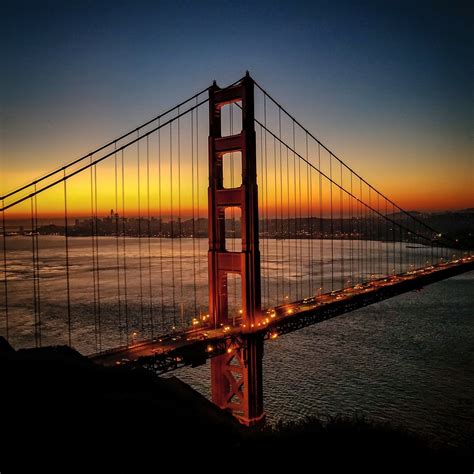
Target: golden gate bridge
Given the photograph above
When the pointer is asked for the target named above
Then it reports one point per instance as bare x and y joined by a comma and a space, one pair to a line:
110, 257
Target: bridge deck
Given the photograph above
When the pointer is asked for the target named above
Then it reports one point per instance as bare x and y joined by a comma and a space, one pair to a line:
193, 347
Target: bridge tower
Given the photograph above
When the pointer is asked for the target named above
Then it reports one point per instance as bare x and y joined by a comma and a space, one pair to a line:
237, 375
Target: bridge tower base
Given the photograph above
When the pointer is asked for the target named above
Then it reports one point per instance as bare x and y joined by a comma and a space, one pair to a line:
237, 375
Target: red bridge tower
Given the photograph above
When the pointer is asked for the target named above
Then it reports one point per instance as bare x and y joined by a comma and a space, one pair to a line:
236, 375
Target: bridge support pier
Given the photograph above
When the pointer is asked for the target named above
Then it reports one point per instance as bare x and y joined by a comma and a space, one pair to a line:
237, 381
236, 375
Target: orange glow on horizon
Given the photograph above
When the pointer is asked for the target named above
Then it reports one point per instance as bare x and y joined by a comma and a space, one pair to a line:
412, 195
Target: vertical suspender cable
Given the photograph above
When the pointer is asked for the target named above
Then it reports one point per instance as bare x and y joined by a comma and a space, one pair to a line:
367, 238
5, 282
277, 259
99, 316
262, 204
394, 242
93, 225
160, 210
387, 267
180, 229
33, 269
198, 191
124, 230
321, 226
370, 255
38, 290
300, 223
266, 218
149, 234
290, 267
295, 237
173, 289
66, 236
332, 224
281, 213
341, 231
309, 186
140, 268
351, 232
370, 242
379, 269
117, 248
361, 239
193, 214
360, 235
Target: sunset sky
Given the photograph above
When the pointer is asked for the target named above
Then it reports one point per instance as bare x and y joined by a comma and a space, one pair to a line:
389, 88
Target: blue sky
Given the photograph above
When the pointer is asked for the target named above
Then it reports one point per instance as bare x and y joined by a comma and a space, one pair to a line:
387, 85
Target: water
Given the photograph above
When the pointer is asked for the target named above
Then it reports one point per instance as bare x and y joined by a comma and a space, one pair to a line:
408, 360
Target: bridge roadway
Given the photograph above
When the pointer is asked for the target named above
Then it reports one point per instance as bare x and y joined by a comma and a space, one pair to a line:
194, 346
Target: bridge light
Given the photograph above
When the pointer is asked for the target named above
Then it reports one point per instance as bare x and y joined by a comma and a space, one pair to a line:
273, 335
209, 348
240, 311
290, 311
229, 350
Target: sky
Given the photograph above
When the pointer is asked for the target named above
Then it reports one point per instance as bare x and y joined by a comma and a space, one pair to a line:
388, 86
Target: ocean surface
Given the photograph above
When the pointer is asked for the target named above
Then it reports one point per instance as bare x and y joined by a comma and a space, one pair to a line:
408, 360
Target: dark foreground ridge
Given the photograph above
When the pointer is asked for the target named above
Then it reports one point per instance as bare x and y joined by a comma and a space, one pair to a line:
61, 411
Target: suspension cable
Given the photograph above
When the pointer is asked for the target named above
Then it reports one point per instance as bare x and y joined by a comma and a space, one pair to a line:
337, 158
99, 160
103, 147
334, 183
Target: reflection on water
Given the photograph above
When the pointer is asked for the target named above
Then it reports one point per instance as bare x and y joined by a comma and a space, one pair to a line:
141, 287
408, 360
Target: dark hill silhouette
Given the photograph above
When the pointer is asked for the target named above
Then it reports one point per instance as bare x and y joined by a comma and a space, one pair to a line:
61, 412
